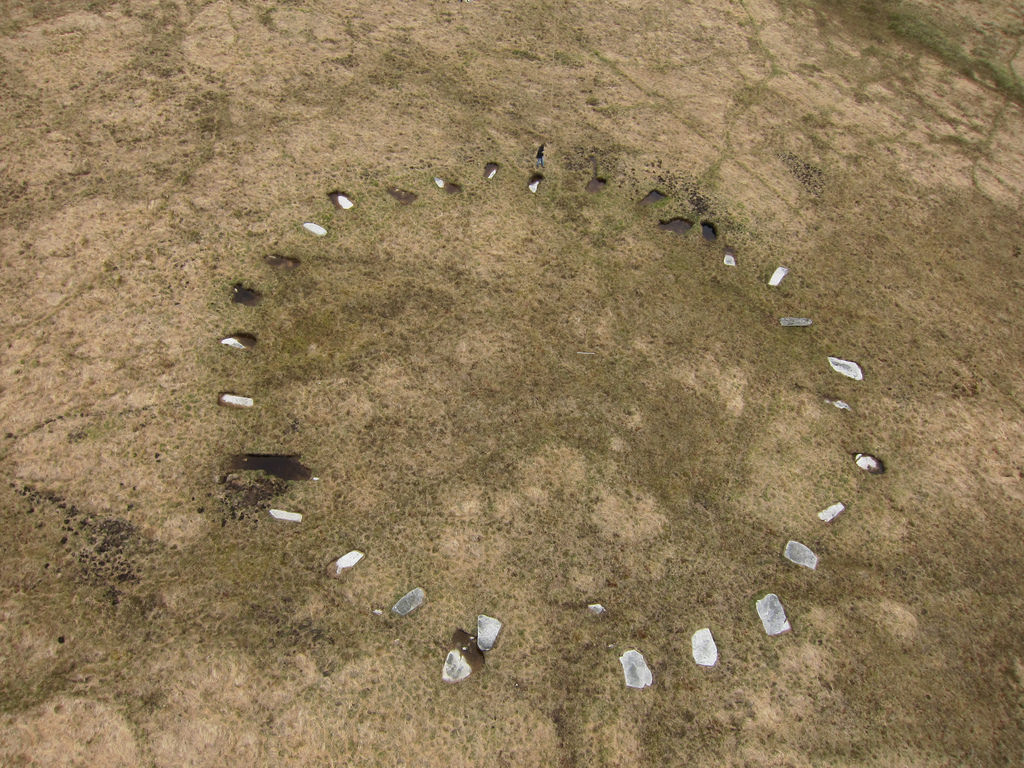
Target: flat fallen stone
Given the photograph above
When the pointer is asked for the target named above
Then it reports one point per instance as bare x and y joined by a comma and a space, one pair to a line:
315, 229
772, 614
846, 367
345, 562
439, 182
235, 401
794, 322
487, 629
797, 553
456, 668
840, 404
869, 463
777, 276
705, 652
831, 513
729, 259
239, 341
635, 669
409, 603
291, 517
596, 608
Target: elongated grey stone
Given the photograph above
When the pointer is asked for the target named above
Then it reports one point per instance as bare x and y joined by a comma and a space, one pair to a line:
842, 405
795, 322
456, 668
830, 513
846, 367
801, 555
409, 603
705, 652
487, 629
773, 615
635, 669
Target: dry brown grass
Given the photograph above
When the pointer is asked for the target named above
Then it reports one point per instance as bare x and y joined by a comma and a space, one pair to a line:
423, 361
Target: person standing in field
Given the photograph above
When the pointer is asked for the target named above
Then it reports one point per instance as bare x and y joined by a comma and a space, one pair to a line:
540, 156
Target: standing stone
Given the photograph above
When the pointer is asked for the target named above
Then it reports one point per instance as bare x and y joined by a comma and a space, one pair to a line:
869, 463
773, 615
801, 555
635, 669
487, 629
596, 608
409, 603
705, 652
777, 276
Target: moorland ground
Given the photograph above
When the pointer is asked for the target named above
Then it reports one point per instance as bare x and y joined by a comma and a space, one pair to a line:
424, 362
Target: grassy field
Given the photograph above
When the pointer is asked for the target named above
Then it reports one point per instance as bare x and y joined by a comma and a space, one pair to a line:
425, 363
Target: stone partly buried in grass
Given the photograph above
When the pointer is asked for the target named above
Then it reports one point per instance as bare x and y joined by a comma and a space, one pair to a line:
314, 229
409, 602
339, 200
286, 467
490, 170
464, 657
795, 322
239, 341
800, 554
235, 401
288, 517
242, 295
281, 262
773, 615
635, 669
403, 196
679, 226
652, 197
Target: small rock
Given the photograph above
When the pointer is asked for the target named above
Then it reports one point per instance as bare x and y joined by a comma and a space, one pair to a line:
831, 513
772, 614
705, 652
840, 404
377, 612
409, 603
801, 555
596, 608
487, 629
794, 322
490, 170
847, 368
729, 259
291, 517
635, 669
316, 229
235, 401
345, 562
439, 182
869, 463
777, 276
